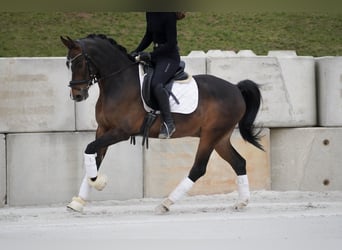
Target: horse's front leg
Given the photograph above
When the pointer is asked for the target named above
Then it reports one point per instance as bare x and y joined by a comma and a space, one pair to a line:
93, 156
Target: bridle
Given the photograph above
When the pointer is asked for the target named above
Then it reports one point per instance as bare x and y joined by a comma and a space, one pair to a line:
93, 77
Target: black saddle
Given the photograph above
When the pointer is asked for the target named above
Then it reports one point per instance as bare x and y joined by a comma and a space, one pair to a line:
147, 95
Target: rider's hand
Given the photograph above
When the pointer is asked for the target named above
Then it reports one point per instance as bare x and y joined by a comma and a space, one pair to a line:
134, 54
144, 56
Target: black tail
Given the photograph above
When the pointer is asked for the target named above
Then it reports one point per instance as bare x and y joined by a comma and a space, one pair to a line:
251, 94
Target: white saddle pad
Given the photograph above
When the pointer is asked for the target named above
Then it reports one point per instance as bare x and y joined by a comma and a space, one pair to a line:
185, 92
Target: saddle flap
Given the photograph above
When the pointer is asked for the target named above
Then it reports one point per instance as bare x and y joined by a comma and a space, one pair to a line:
187, 94
146, 86
180, 75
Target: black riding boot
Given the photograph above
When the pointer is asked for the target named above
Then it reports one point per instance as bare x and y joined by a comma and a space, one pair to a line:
168, 127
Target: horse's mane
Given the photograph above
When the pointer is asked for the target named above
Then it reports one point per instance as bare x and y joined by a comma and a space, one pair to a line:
113, 42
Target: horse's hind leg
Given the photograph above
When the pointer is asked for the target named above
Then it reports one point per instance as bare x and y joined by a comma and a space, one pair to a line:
198, 169
225, 149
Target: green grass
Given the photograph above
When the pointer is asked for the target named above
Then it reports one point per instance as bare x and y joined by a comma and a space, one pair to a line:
37, 33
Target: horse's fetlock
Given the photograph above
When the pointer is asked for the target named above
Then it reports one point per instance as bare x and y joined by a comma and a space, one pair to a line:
100, 182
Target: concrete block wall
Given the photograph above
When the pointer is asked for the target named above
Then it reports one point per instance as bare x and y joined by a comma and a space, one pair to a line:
195, 63
287, 84
37, 113
329, 82
3, 178
47, 168
33, 95
306, 159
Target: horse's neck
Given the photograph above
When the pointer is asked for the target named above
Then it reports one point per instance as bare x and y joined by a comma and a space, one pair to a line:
123, 82
115, 63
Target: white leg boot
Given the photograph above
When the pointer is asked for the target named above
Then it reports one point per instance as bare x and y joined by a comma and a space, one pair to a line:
89, 162
77, 204
243, 190
178, 193
91, 170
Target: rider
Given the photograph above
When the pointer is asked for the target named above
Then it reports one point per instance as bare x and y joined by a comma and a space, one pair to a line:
161, 29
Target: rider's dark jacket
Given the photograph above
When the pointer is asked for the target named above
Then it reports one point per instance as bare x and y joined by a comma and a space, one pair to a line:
161, 30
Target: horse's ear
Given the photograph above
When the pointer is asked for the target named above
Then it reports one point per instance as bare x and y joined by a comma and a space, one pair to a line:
69, 43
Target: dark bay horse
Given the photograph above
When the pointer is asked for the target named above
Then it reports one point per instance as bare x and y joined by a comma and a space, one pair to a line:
120, 115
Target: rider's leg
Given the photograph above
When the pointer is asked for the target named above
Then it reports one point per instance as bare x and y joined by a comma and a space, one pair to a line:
164, 70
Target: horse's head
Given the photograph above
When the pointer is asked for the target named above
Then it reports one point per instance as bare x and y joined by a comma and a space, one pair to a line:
95, 58
83, 74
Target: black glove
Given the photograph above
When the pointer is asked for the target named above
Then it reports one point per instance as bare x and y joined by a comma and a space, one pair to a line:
145, 57
134, 54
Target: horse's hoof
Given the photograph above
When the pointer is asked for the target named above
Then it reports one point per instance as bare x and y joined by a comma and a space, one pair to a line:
77, 204
240, 204
100, 182
164, 207
161, 209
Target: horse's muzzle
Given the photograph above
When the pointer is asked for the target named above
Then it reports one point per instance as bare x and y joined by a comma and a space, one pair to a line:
79, 96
